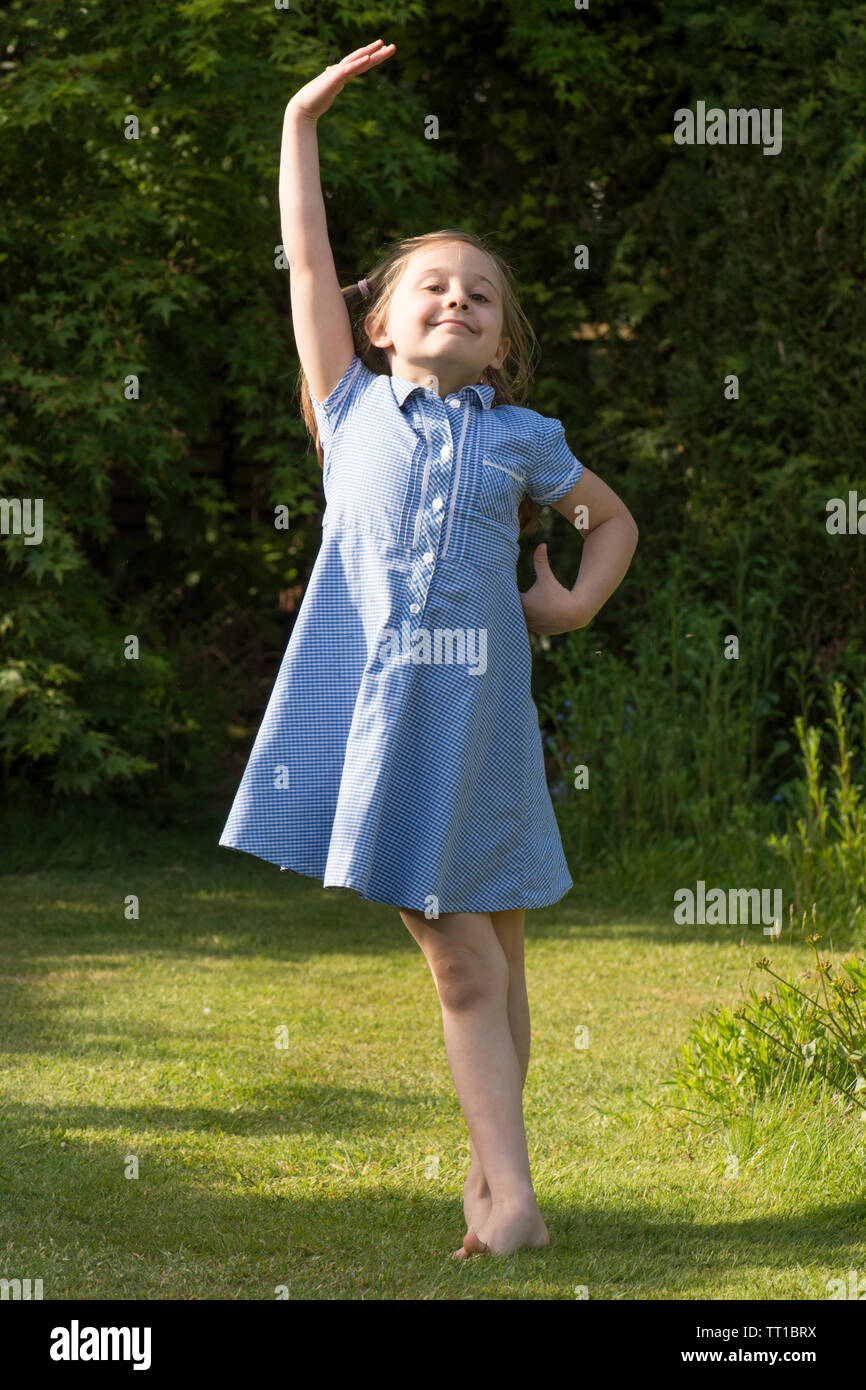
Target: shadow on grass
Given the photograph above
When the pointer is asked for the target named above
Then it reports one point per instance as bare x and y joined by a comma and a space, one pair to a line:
284, 1107
72, 885
194, 1235
65, 912
190, 910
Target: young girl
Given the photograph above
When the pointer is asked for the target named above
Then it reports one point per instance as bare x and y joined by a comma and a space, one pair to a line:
400, 752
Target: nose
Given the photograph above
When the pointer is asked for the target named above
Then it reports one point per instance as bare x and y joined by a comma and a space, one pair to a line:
455, 299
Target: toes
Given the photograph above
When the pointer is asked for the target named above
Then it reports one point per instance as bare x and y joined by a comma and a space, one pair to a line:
473, 1245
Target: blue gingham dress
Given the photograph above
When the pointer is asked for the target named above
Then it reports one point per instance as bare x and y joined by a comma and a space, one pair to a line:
400, 752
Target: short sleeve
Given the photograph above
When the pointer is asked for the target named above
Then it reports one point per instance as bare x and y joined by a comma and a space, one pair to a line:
554, 469
331, 413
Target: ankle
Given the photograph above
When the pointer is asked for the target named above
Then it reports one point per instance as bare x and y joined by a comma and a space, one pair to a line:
476, 1180
519, 1195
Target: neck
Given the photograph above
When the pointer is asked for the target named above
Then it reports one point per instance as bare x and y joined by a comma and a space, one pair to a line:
444, 378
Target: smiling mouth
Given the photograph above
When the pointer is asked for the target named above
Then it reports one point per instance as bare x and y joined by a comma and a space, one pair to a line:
452, 323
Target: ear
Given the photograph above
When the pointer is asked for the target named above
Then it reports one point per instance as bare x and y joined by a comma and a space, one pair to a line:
374, 329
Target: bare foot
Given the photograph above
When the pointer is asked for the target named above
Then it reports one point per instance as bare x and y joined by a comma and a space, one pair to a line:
476, 1198
511, 1226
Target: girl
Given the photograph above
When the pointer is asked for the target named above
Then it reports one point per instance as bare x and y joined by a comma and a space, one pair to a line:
400, 753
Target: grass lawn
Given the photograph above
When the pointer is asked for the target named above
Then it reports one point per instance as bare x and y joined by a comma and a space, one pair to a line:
333, 1165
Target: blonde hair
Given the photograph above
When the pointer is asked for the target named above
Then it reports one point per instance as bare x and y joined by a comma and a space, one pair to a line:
510, 381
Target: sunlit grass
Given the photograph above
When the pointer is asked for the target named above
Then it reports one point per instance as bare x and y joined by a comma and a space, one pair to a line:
154, 1039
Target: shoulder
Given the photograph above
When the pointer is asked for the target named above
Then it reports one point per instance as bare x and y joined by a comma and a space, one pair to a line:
549, 468
342, 403
523, 425
356, 378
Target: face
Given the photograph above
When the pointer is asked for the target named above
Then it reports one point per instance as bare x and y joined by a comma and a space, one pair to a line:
446, 314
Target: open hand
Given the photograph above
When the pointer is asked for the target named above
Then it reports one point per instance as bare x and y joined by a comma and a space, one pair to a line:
314, 100
547, 606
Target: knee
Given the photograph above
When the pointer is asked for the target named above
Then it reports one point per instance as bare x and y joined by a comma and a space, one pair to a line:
464, 978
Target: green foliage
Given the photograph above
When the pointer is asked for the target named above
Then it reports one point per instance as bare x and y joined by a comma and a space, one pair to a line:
155, 258
669, 732
781, 1042
825, 850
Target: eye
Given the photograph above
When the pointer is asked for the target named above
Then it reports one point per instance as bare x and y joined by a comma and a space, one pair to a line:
476, 295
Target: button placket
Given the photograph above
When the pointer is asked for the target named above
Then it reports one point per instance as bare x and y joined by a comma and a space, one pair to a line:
456, 481
428, 528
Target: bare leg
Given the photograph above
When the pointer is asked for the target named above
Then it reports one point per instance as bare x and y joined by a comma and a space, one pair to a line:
471, 971
509, 928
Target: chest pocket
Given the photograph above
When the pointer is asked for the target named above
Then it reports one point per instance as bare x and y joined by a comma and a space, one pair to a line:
500, 488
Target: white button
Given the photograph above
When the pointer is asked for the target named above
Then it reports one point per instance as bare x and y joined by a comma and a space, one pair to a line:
445, 451
428, 557
454, 404
437, 504
414, 608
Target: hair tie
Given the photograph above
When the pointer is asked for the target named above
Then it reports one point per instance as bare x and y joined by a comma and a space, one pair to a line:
364, 288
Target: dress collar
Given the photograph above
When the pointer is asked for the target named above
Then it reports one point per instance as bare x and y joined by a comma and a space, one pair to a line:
403, 390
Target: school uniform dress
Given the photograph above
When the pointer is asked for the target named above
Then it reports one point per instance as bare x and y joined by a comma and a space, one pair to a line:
400, 752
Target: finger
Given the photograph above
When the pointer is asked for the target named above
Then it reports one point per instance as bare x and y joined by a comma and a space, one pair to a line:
371, 50
540, 559
381, 54
362, 52
353, 67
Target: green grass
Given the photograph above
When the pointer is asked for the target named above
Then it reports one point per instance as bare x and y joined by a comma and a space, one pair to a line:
306, 1166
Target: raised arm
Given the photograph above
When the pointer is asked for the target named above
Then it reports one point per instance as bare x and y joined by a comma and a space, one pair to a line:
323, 333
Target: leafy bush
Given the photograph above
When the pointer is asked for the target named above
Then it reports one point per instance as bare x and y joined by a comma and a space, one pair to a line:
155, 258
784, 1041
825, 850
675, 737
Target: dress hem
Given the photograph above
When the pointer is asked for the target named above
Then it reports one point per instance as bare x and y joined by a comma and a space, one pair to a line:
543, 901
